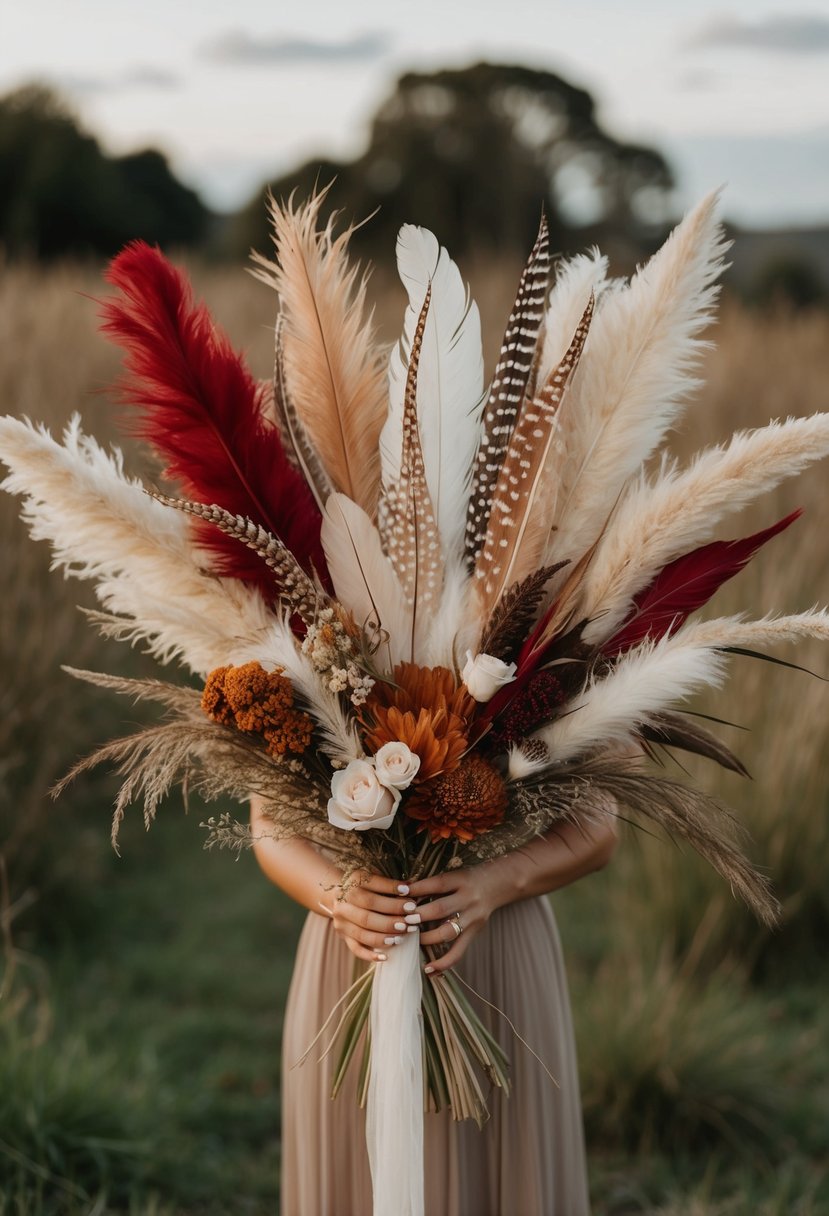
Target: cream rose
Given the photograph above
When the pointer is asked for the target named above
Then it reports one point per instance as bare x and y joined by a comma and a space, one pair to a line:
396, 765
483, 675
358, 801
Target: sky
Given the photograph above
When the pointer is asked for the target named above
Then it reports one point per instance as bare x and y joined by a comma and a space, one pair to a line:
235, 92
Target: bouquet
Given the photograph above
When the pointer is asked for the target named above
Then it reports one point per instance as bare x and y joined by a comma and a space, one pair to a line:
427, 616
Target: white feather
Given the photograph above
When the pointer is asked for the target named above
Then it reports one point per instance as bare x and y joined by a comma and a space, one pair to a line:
659, 520
103, 526
278, 648
636, 373
364, 578
770, 631
453, 628
449, 381
645, 681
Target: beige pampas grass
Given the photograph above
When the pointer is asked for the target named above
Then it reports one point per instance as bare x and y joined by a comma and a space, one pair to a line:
660, 519
770, 631
103, 526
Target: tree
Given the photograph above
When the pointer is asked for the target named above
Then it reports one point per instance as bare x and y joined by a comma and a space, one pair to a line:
474, 153
60, 194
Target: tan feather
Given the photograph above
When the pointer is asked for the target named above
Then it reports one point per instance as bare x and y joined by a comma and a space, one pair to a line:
333, 370
409, 526
294, 437
512, 547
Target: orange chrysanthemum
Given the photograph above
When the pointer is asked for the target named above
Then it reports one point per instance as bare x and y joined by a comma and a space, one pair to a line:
463, 803
426, 710
258, 702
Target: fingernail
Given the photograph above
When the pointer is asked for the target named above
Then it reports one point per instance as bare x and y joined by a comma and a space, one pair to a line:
428, 969
413, 918
400, 926
403, 888
381, 958
392, 941
412, 929
410, 905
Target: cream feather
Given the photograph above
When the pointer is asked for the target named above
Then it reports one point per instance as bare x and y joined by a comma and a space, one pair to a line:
660, 519
278, 647
646, 681
637, 372
364, 579
449, 381
770, 631
334, 373
103, 526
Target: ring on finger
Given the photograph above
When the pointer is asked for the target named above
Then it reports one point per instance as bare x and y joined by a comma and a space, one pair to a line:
455, 922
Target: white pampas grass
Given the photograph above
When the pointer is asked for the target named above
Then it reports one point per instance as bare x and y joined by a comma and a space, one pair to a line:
364, 579
449, 381
609, 711
659, 520
637, 371
103, 526
278, 648
770, 631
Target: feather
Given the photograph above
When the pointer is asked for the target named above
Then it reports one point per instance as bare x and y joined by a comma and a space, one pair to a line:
508, 554
450, 381
364, 579
408, 525
450, 631
103, 525
294, 437
685, 584
198, 406
644, 682
657, 520
515, 374
676, 730
645, 346
515, 612
333, 369
299, 592
278, 647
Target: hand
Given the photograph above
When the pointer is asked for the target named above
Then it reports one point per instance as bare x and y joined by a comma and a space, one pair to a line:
371, 918
471, 892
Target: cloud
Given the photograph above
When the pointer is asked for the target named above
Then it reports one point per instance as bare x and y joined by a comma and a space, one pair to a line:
238, 48
141, 77
787, 33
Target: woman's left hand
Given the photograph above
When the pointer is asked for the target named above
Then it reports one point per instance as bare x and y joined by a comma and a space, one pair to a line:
466, 897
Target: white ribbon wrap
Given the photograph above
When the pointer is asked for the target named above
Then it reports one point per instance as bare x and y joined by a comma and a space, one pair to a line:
394, 1119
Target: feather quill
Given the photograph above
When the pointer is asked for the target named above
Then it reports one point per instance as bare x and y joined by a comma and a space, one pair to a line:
198, 406
293, 433
509, 553
514, 378
658, 519
103, 526
333, 369
645, 346
449, 385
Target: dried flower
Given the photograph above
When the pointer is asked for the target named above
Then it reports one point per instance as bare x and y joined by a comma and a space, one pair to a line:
536, 704
258, 702
463, 803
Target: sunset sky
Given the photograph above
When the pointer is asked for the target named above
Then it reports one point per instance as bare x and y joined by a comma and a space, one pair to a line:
236, 92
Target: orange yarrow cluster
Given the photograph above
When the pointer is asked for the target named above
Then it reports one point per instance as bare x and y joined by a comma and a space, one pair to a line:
258, 702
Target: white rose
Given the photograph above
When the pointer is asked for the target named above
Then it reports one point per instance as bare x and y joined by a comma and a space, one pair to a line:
483, 675
396, 765
358, 800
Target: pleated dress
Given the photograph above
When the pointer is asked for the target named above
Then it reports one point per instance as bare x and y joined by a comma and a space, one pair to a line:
528, 1160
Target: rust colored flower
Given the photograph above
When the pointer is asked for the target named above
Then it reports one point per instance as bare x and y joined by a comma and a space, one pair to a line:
463, 803
426, 710
258, 702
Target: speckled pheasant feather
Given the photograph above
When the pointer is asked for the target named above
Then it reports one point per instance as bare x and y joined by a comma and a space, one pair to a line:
513, 380
504, 556
301, 594
408, 525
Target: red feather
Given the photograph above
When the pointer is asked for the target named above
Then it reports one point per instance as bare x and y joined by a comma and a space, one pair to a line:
202, 412
685, 584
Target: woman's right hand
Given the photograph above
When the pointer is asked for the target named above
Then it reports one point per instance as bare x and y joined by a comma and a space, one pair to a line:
371, 917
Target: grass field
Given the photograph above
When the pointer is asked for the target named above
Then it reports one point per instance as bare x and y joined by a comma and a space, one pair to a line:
140, 1016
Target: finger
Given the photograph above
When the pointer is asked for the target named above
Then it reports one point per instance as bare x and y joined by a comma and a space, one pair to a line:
362, 897
376, 941
442, 935
384, 886
438, 909
370, 956
362, 918
451, 958
436, 885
